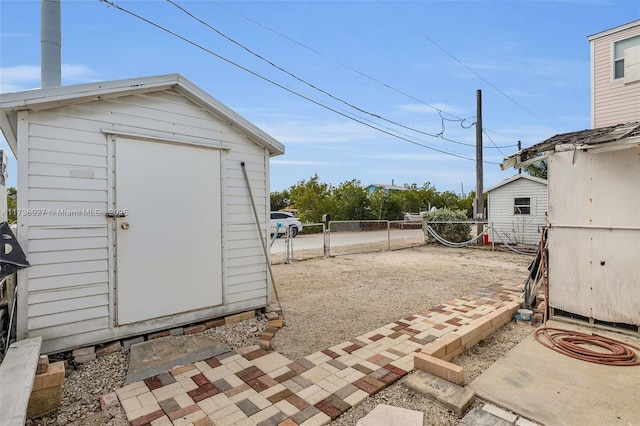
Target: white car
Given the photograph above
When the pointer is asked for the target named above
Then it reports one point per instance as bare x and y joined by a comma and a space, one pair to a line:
287, 221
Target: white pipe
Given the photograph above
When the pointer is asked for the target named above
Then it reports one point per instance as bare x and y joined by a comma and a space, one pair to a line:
50, 44
606, 228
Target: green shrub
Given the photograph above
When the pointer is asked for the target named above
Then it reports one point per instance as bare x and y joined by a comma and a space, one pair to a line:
453, 230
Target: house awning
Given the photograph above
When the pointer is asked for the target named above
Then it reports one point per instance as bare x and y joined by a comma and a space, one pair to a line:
604, 139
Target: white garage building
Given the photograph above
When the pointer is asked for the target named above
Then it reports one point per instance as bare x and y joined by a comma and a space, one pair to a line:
517, 209
133, 208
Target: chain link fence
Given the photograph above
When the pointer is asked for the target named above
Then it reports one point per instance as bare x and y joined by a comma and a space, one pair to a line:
346, 237
353, 237
521, 236
404, 234
307, 244
519, 232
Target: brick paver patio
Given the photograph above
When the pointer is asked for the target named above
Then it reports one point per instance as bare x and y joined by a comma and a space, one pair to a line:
251, 386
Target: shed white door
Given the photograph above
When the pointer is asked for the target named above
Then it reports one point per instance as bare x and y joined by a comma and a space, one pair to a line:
168, 247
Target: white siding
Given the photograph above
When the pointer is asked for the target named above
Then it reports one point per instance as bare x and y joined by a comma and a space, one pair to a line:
512, 228
69, 298
594, 239
613, 101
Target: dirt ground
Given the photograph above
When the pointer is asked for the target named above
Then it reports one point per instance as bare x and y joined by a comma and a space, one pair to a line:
328, 301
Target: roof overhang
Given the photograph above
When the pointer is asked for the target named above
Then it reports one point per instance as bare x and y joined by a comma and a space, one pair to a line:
614, 30
604, 139
48, 98
515, 178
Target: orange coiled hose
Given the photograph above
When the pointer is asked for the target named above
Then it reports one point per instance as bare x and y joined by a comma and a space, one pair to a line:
578, 345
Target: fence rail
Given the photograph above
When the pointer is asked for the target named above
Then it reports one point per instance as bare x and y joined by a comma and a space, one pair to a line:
346, 237
519, 235
352, 237
308, 244
516, 232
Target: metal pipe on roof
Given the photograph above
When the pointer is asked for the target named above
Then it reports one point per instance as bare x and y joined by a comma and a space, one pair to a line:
50, 44
565, 147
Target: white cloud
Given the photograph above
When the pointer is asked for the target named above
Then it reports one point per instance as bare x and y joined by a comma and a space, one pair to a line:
24, 77
21, 77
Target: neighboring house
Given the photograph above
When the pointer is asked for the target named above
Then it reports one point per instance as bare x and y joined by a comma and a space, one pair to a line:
133, 209
615, 75
594, 222
386, 188
517, 210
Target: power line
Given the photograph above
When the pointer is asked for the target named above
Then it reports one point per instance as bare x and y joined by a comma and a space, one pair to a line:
461, 121
404, 136
500, 134
256, 74
458, 60
494, 144
313, 86
438, 110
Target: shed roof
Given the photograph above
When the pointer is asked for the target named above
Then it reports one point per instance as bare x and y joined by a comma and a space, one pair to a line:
515, 178
603, 139
54, 97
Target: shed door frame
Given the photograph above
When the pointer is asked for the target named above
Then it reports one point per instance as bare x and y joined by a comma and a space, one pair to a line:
114, 225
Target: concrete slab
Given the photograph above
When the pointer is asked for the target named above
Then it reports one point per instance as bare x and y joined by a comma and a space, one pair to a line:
388, 415
17, 372
550, 388
158, 356
454, 397
524, 422
499, 412
478, 417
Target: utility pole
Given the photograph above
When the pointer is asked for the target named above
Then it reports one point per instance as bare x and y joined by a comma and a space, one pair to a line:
519, 149
479, 189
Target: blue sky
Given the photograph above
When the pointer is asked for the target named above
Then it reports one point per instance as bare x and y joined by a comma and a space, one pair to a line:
412, 63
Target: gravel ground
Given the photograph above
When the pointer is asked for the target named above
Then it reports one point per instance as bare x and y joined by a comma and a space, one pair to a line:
328, 301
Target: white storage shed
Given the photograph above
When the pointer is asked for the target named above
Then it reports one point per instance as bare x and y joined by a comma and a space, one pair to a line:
594, 222
133, 209
517, 210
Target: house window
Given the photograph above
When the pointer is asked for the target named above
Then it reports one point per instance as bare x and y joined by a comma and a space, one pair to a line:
618, 54
522, 206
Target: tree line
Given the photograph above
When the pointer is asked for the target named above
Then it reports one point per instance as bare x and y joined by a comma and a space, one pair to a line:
312, 198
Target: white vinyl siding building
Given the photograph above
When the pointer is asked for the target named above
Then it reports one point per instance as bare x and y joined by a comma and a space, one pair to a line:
516, 210
615, 75
593, 238
134, 211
